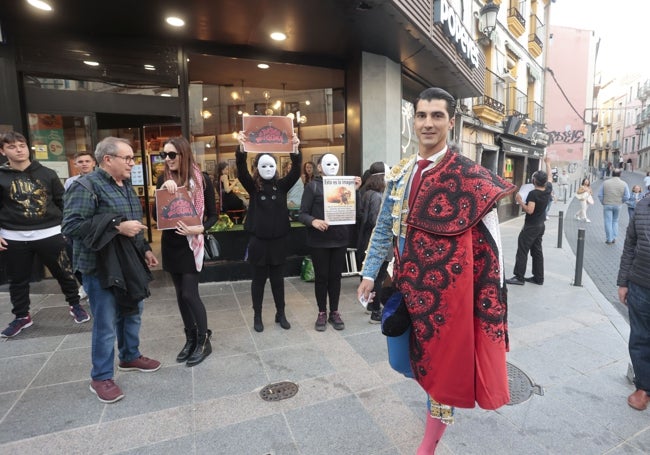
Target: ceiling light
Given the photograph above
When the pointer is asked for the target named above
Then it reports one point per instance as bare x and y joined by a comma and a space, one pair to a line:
206, 114
205, 98
150, 67
307, 102
165, 94
263, 66
91, 63
278, 36
234, 96
40, 4
175, 21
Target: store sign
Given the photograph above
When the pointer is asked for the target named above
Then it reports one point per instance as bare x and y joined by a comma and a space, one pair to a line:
521, 149
453, 27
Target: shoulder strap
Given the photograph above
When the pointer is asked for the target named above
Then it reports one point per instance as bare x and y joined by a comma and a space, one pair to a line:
88, 185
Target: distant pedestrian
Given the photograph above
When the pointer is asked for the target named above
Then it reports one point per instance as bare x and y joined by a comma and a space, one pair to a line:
31, 209
583, 194
646, 182
563, 181
634, 292
612, 194
530, 237
635, 196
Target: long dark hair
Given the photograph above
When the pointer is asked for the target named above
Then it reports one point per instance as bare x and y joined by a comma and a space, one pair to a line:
185, 161
308, 178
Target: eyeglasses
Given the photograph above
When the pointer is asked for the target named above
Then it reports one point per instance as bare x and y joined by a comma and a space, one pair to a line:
127, 159
171, 155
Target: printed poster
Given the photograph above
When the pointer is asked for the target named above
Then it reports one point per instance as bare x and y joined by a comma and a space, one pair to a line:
340, 200
47, 137
268, 133
172, 208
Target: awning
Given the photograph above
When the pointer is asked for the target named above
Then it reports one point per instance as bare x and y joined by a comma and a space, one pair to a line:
521, 148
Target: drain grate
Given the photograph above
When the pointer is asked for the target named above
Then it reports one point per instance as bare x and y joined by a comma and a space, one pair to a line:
521, 386
278, 391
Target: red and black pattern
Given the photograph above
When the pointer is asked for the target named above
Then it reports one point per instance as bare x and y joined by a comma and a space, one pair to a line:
455, 195
448, 272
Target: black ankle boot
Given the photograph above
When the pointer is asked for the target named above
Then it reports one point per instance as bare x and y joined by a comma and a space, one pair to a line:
203, 349
190, 345
257, 322
281, 318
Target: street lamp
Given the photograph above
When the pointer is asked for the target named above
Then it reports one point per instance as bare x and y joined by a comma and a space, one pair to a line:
488, 16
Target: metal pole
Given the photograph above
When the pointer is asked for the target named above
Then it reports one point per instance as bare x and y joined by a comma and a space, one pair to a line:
580, 252
560, 228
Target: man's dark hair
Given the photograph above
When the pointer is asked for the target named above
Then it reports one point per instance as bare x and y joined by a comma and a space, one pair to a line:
540, 178
11, 138
436, 93
616, 172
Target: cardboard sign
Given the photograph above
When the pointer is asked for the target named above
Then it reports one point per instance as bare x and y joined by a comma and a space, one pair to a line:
172, 208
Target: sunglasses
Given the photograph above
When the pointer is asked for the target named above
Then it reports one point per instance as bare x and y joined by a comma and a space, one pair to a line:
171, 155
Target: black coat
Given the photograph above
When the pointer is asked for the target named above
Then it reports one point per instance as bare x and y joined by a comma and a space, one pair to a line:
635, 260
121, 266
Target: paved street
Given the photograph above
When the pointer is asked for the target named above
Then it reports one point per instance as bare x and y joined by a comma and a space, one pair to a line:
568, 340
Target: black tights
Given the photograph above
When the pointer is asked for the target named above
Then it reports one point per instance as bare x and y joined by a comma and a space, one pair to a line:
328, 266
276, 275
189, 301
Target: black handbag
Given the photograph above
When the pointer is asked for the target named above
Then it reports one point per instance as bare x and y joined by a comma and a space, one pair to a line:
211, 248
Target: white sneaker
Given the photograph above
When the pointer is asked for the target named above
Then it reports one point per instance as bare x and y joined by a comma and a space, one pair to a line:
82, 293
587, 220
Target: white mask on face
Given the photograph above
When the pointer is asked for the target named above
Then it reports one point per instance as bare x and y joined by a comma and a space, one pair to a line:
329, 165
266, 167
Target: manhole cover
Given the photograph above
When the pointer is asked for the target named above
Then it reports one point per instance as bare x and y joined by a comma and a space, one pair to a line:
279, 391
521, 386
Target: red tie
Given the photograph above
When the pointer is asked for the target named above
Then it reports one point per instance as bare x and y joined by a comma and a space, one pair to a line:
415, 183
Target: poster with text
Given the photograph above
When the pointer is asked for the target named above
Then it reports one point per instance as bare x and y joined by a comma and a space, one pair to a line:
340, 200
172, 208
268, 133
47, 137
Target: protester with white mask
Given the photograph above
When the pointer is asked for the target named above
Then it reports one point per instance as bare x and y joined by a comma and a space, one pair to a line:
268, 223
328, 245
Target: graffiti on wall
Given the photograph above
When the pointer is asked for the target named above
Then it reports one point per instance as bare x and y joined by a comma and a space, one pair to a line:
567, 137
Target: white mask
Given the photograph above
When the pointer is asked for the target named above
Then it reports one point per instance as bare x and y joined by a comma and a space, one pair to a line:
266, 167
329, 165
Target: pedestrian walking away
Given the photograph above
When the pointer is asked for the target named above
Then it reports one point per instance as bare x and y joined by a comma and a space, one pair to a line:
31, 208
182, 248
442, 294
103, 216
612, 193
268, 224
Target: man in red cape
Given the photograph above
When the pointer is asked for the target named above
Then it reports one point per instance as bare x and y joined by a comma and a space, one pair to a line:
439, 215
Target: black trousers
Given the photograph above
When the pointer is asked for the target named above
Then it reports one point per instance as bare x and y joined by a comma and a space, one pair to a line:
276, 275
19, 259
189, 301
328, 266
530, 240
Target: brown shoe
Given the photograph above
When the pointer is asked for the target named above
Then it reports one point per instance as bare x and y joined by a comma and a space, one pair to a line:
107, 391
638, 400
142, 363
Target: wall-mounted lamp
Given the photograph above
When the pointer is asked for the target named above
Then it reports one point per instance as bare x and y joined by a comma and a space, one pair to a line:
488, 18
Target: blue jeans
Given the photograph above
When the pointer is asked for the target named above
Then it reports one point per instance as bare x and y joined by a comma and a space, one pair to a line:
638, 303
610, 214
109, 324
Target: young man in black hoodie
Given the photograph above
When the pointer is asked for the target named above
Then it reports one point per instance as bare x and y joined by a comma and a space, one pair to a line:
31, 210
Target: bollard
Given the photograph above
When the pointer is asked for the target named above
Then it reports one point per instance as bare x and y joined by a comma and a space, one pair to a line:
560, 223
580, 252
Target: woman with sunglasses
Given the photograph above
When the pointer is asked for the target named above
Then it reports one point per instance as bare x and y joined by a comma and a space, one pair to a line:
182, 248
268, 224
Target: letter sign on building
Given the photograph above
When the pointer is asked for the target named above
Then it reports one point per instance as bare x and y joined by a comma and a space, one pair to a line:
453, 27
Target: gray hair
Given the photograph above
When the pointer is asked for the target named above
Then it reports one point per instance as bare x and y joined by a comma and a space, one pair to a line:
108, 146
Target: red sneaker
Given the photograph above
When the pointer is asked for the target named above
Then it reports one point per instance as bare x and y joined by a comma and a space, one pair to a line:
107, 391
142, 363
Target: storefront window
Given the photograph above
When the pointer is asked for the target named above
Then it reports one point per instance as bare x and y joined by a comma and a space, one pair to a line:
231, 88
97, 86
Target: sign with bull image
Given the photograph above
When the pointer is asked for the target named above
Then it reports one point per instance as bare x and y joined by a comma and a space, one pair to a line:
340, 200
172, 208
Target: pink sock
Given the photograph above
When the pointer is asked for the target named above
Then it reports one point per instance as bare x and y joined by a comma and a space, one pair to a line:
433, 431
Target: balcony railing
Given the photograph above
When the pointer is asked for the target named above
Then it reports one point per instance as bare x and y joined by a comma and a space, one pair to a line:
535, 38
517, 102
537, 112
516, 22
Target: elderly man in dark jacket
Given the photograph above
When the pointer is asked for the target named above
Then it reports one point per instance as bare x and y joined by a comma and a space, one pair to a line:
633, 291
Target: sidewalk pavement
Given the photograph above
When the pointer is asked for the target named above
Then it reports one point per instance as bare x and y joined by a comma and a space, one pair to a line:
567, 339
